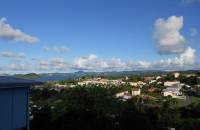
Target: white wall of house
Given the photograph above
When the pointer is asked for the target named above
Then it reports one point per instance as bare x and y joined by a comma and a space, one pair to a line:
121, 94
174, 94
135, 93
172, 84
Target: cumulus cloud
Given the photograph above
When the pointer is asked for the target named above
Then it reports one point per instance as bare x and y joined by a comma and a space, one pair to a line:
169, 40
92, 62
51, 64
86, 62
193, 32
9, 54
168, 37
10, 33
116, 63
61, 49
188, 57
184, 60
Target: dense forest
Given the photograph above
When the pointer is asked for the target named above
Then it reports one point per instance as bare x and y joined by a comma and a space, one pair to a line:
97, 108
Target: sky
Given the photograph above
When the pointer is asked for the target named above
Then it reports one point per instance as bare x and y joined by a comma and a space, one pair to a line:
44, 36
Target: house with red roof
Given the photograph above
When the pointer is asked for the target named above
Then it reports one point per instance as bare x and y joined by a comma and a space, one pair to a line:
136, 91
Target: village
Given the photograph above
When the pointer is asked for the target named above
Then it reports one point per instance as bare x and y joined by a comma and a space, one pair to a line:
173, 93
148, 87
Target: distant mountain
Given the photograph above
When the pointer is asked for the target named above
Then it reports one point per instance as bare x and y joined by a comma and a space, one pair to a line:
76, 75
4, 74
28, 76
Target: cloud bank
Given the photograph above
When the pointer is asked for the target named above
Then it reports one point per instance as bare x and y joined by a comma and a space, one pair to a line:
94, 63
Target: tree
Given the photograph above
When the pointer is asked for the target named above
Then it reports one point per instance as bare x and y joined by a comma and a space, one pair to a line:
42, 119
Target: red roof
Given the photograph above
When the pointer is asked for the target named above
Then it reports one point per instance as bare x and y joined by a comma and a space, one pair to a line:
135, 89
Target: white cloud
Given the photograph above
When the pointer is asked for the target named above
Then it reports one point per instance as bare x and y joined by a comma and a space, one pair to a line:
61, 49
9, 54
10, 33
18, 67
86, 63
51, 64
144, 64
116, 63
186, 60
168, 37
188, 57
93, 63
170, 41
193, 32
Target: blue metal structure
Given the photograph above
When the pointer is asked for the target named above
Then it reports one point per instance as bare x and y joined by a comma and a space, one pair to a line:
14, 99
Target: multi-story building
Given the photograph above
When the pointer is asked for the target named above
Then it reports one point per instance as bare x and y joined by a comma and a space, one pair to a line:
173, 89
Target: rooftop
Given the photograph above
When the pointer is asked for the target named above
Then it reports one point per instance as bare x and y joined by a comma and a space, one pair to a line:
12, 82
135, 89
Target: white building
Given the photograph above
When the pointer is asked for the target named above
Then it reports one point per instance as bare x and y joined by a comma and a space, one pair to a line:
173, 89
60, 85
121, 94
124, 95
176, 75
133, 83
139, 83
170, 91
172, 84
152, 81
158, 77
136, 91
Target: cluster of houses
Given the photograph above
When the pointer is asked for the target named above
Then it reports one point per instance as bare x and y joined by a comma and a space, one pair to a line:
172, 88
126, 95
101, 81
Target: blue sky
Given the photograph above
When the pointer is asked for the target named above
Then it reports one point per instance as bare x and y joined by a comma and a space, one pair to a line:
98, 35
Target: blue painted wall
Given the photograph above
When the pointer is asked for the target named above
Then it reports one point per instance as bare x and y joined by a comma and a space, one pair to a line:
5, 109
13, 108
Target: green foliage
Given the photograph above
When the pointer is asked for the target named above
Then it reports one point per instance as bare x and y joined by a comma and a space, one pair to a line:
64, 82
192, 80
169, 77
135, 78
96, 108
